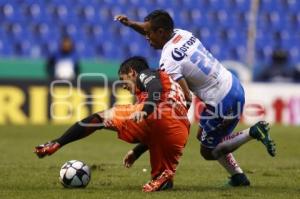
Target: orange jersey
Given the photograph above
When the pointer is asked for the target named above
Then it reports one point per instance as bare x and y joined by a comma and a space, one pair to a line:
171, 90
140, 96
165, 130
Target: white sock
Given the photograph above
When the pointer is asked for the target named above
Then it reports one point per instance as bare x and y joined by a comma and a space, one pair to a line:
230, 164
231, 142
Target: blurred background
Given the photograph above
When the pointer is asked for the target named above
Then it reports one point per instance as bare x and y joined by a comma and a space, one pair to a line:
42, 41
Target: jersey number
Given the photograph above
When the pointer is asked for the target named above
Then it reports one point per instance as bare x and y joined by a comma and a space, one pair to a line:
203, 59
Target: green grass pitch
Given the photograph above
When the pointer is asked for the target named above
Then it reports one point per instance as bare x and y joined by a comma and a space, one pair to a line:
23, 175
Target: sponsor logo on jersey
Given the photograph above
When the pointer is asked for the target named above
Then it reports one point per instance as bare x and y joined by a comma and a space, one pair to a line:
148, 79
179, 53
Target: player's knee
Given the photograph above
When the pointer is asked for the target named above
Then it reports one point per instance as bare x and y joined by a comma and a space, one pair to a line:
206, 153
92, 119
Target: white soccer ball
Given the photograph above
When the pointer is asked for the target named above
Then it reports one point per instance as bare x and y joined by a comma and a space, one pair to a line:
75, 174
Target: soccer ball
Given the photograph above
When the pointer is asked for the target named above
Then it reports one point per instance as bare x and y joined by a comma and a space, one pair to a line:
75, 174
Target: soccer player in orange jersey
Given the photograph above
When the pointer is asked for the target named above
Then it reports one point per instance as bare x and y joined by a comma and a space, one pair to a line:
158, 120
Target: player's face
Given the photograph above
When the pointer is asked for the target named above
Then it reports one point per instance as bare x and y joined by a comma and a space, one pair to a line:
129, 81
154, 37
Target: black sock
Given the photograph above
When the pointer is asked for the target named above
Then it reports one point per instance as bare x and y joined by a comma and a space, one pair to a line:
81, 129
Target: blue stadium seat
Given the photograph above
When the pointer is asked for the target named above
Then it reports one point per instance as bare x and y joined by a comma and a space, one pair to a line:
291, 5
264, 51
5, 44
104, 14
224, 19
243, 5
112, 50
8, 11
220, 24
196, 15
33, 10
239, 20
293, 19
294, 53
268, 5
49, 46
86, 13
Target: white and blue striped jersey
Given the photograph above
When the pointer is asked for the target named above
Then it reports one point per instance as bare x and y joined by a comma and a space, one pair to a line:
185, 56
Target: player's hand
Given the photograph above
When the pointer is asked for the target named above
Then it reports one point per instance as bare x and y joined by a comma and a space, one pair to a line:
138, 116
108, 123
129, 159
46, 149
123, 19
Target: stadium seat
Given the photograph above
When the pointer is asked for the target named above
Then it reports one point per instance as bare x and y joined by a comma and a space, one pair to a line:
224, 19
5, 46
7, 11
291, 5
220, 24
294, 20
268, 5
294, 53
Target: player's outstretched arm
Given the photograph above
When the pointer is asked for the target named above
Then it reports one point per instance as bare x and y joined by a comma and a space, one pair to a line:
77, 131
135, 25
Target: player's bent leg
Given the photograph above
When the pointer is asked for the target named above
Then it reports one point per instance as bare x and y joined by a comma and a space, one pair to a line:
131, 132
238, 178
206, 153
260, 131
164, 156
166, 147
77, 131
231, 143
167, 162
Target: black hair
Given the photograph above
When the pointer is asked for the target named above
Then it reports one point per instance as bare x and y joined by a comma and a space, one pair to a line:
160, 19
136, 63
